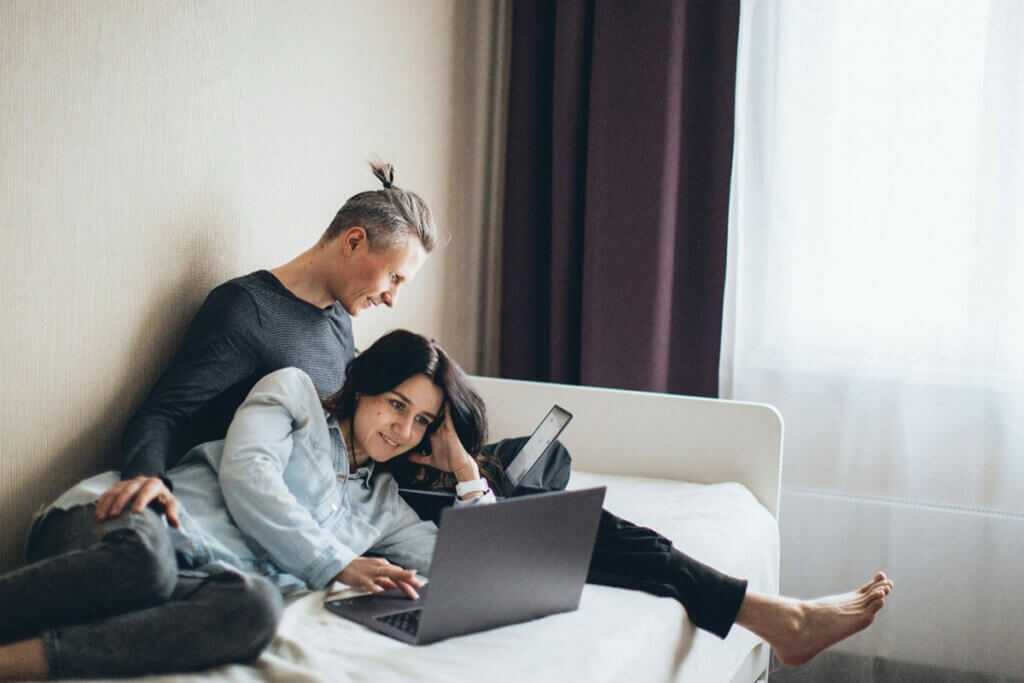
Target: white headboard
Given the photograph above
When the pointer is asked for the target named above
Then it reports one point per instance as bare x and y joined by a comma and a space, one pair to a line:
647, 434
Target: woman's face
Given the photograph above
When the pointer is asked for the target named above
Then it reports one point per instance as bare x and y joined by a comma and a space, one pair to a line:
391, 423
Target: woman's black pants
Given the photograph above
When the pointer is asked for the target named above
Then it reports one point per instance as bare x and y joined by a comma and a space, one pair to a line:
631, 556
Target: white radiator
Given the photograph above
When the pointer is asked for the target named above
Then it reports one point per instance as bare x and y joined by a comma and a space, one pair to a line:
959, 574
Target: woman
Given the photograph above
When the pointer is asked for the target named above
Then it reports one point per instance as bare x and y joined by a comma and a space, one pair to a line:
629, 556
295, 496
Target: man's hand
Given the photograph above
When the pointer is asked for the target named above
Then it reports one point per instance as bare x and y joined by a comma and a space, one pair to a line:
142, 490
376, 574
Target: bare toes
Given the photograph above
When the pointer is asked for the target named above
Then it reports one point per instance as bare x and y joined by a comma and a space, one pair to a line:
866, 588
877, 579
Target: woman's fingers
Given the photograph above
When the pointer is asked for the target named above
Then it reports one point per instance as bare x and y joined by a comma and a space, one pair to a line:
419, 458
409, 588
392, 576
376, 574
385, 583
395, 573
403, 579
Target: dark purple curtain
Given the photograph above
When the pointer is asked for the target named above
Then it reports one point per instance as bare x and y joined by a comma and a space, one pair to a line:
616, 194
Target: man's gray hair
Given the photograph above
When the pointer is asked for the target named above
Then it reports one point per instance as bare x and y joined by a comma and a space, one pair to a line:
389, 215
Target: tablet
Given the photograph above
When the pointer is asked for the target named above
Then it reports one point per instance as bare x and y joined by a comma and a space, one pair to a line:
543, 436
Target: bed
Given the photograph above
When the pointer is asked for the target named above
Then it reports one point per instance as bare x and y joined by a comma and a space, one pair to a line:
703, 472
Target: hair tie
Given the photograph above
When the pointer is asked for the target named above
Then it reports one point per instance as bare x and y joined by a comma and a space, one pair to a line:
390, 179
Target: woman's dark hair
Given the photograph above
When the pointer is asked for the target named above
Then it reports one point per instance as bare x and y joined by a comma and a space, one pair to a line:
396, 357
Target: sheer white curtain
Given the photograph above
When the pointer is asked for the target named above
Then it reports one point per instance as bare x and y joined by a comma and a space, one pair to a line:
875, 291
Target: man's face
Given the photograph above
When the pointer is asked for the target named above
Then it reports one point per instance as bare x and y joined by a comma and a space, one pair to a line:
368, 279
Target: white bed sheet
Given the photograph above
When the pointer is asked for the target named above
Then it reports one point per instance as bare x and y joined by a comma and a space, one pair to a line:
616, 634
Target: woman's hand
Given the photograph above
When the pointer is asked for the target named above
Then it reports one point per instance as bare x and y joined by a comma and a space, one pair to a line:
144, 490
377, 574
447, 453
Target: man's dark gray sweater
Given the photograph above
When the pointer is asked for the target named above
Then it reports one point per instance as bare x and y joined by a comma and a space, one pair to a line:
246, 328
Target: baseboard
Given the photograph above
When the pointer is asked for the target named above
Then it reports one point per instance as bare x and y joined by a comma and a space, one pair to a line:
853, 668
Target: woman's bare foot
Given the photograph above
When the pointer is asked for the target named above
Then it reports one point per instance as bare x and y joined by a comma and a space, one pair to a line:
799, 629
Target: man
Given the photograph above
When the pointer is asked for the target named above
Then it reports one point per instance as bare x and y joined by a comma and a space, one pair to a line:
299, 314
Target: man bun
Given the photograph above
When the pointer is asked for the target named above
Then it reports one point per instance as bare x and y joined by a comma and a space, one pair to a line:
385, 172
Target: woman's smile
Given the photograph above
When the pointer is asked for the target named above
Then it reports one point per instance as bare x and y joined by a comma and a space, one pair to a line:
387, 424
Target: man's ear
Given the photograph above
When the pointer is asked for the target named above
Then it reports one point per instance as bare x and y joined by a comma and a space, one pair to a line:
352, 239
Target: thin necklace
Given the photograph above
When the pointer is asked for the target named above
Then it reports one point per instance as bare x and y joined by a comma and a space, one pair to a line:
352, 455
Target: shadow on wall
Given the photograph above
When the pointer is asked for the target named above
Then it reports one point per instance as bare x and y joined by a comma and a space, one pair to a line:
206, 258
463, 284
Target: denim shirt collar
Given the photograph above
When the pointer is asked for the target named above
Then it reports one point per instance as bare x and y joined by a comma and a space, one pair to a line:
340, 456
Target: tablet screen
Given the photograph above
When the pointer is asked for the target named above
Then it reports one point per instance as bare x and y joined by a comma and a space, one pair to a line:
543, 436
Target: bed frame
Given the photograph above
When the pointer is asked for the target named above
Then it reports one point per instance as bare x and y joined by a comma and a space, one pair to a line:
647, 434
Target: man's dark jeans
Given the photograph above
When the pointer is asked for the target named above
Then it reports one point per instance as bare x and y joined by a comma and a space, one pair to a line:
108, 600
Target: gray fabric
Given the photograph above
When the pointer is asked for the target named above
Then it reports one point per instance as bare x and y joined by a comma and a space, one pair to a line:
108, 600
246, 328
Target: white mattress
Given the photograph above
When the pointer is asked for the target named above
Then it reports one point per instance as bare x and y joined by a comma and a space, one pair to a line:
616, 634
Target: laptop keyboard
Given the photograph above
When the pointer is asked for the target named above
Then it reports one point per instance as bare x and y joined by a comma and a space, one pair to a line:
408, 621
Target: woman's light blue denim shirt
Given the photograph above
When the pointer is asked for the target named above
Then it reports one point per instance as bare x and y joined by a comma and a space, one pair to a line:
276, 496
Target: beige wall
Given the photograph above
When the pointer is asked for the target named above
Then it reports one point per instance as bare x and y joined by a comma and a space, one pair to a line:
151, 150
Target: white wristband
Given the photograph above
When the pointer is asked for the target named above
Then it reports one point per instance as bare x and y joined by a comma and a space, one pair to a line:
471, 486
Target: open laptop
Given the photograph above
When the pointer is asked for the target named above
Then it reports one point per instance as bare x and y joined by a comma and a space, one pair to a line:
428, 504
493, 565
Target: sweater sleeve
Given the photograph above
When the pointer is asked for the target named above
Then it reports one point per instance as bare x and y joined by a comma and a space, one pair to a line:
221, 348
